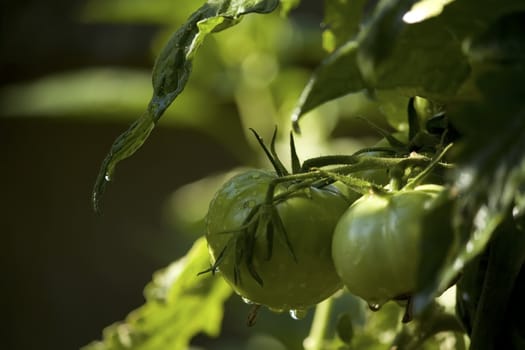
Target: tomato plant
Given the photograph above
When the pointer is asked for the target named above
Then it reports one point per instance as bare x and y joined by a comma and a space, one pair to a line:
446, 76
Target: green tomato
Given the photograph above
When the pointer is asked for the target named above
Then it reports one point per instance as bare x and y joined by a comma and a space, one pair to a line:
309, 218
376, 244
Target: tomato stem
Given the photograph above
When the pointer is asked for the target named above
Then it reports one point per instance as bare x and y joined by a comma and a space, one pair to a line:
278, 166
354, 183
353, 165
320, 323
386, 150
416, 181
328, 160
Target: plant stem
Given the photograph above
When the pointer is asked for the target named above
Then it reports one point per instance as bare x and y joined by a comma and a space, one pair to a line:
421, 176
320, 323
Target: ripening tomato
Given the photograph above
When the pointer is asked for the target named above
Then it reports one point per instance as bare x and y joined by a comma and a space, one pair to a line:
376, 244
309, 218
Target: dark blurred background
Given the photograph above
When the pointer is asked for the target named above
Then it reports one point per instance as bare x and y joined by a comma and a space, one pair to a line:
74, 75
68, 272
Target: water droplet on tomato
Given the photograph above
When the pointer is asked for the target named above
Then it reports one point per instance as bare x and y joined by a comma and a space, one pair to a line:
374, 306
247, 301
298, 314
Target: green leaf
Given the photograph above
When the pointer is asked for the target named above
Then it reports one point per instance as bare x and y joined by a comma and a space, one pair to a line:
342, 19
393, 105
378, 38
288, 5
336, 76
494, 277
490, 179
179, 305
502, 42
426, 56
171, 73
419, 59
468, 290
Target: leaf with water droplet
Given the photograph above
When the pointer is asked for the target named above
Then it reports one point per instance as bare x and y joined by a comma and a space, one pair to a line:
170, 75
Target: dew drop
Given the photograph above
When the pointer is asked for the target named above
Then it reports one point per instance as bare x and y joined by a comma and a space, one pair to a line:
298, 314
107, 177
374, 306
256, 176
247, 301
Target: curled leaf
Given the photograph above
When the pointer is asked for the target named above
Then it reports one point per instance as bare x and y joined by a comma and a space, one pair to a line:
170, 75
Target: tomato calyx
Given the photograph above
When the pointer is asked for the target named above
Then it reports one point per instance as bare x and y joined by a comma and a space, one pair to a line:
263, 219
271, 154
